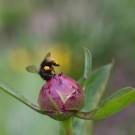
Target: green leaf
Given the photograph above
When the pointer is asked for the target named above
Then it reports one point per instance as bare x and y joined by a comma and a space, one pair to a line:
87, 68
18, 96
111, 105
88, 63
96, 86
94, 92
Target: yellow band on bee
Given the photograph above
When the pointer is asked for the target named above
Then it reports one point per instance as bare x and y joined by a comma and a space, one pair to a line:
47, 68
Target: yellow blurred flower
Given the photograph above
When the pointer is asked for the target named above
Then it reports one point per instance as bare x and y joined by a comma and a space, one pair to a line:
20, 58
60, 52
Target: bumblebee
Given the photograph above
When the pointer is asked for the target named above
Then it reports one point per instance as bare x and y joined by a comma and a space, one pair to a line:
46, 70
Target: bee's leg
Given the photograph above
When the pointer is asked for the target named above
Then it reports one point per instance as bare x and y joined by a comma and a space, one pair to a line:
52, 69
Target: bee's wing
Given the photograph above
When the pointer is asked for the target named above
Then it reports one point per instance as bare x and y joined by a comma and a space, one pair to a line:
47, 56
49, 60
32, 69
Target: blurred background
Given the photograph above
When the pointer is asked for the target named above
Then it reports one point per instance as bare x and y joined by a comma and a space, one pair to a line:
29, 29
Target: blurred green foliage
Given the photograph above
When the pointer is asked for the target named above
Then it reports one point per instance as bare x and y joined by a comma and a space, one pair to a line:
29, 29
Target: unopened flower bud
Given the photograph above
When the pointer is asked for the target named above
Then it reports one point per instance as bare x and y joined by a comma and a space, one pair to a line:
61, 96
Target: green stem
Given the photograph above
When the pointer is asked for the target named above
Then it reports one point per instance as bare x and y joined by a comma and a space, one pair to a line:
67, 127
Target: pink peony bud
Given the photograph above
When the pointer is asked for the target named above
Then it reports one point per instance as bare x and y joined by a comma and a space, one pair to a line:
61, 96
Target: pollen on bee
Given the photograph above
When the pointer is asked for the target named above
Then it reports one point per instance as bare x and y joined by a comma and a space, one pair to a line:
46, 68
